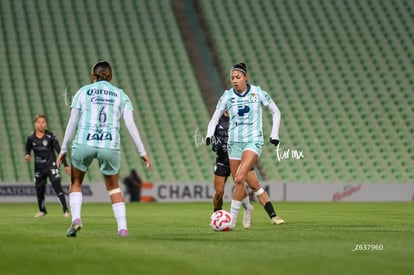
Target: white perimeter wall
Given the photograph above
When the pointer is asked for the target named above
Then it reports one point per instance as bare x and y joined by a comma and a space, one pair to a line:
189, 192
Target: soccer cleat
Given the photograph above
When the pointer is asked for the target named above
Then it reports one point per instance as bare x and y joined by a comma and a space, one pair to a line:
40, 214
74, 227
123, 233
247, 217
66, 214
277, 220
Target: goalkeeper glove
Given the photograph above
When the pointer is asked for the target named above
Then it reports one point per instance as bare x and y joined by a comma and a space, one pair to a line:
274, 141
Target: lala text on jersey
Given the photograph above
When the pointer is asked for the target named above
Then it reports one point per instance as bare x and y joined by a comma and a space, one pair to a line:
99, 135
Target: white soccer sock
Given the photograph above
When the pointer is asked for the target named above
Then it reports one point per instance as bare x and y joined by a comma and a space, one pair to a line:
234, 210
120, 214
75, 201
246, 202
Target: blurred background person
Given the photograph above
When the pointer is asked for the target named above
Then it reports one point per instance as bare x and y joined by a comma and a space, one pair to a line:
133, 184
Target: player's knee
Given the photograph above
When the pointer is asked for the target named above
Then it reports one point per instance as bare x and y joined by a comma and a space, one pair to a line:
219, 194
114, 191
40, 183
239, 179
259, 192
57, 185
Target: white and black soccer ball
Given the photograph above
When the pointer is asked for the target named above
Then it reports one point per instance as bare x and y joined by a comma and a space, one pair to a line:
221, 220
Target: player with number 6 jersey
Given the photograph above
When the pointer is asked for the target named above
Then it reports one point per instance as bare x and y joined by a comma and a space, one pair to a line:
102, 104
96, 112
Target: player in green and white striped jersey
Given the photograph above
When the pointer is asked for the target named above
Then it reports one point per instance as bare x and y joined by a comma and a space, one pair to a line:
246, 111
101, 104
96, 111
244, 104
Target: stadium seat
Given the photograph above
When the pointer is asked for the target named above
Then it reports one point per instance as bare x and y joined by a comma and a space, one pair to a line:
334, 66
340, 71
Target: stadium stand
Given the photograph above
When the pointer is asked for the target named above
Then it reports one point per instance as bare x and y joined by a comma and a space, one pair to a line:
340, 71
50, 47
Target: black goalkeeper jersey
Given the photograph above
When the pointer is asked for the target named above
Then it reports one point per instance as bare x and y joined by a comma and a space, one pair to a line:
219, 145
44, 150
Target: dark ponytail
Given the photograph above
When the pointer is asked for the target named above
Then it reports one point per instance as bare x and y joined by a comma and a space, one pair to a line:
102, 71
240, 67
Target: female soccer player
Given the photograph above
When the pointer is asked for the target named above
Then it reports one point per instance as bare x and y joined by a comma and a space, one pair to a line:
44, 144
244, 104
222, 170
96, 111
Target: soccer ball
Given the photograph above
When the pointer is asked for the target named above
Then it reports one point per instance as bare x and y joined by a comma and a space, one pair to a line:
221, 220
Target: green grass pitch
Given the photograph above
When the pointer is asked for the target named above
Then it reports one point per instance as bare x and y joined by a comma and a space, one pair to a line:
318, 238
